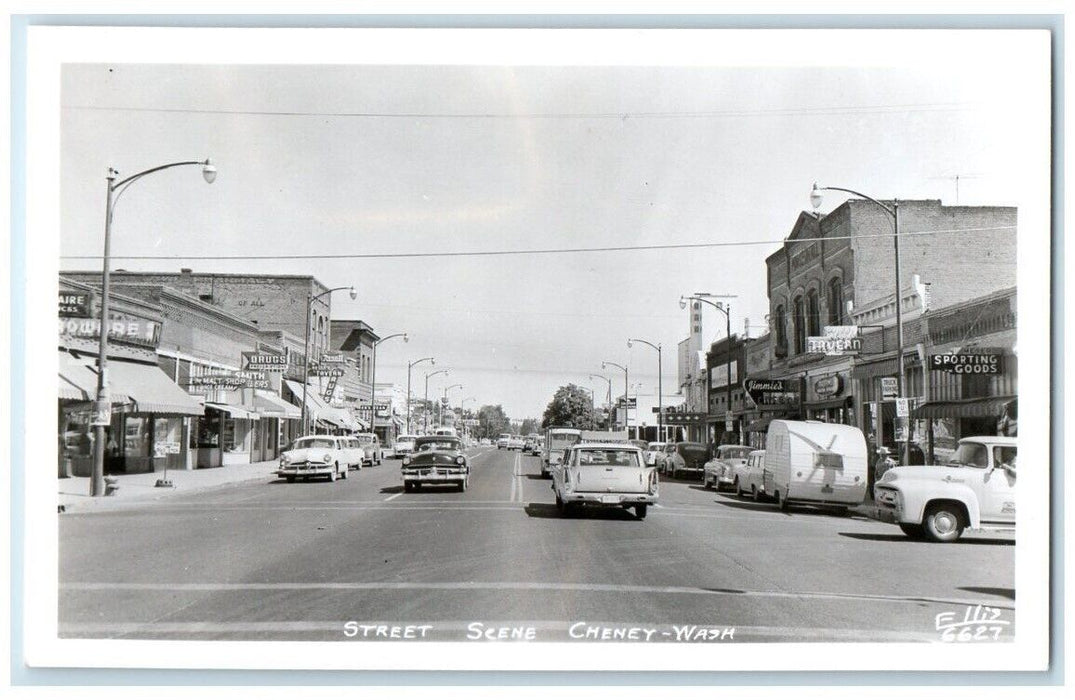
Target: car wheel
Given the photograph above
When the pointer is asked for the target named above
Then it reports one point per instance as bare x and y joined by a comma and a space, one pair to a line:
912, 530
332, 474
738, 488
754, 493
640, 511
943, 523
343, 474
561, 507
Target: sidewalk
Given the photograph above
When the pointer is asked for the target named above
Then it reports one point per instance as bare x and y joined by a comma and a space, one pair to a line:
74, 491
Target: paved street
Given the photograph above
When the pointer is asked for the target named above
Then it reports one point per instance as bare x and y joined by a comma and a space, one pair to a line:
361, 559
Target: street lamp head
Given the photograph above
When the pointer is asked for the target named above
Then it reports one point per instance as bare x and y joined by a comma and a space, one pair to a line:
682, 302
353, 292
816, 197
406, 339
629, 344
603, 366
209, 171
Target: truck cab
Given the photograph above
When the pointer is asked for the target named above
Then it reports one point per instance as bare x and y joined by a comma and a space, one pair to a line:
974, 490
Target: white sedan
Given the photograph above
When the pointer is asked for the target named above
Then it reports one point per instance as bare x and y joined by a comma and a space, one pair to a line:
316, 455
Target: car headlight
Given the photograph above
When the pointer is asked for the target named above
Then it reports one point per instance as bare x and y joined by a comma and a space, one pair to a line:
460, 460
285, 458
888, 477
406, 460
327, 457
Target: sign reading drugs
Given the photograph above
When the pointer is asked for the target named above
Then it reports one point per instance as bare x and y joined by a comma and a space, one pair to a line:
967, 363
265, 361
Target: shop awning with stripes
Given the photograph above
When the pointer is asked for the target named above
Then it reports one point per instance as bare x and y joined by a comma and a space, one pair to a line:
151, 389
232, 410
78, 381
988, 407
272, 406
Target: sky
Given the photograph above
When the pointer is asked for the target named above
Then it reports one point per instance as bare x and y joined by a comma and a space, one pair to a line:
347, 160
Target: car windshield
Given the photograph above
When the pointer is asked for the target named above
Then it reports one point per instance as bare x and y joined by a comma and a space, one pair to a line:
609, 457
436, 443
314, 443
970, 454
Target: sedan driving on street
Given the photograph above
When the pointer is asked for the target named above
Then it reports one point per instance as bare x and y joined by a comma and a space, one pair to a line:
437, 459
612, 475
315, 455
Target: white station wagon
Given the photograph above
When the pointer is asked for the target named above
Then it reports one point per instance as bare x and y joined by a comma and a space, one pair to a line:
604, 474
317, 455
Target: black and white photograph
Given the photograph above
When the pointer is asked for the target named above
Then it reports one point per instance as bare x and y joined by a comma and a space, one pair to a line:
523, 349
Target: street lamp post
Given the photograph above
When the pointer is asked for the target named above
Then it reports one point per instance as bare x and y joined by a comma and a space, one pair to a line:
425, 418
373, 378
102, 408
462, 404
894, 212
725, 309
440, 410
598, 376
626, 403
310, 299
410, 366
660, 385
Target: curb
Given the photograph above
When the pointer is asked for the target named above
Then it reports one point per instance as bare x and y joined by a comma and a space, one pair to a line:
151, 495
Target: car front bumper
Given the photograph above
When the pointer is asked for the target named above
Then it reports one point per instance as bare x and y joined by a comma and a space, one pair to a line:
305, 470
425, 475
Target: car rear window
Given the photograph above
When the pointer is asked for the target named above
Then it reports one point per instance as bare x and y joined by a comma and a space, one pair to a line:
608, 458
691, 450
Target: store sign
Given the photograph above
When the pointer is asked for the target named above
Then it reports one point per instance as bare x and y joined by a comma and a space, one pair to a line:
771, 393
890, 388
967, 363
102, 413
830, 386
319, 370
265, 361
75, 304
685, 418
230, 379
632, 402
129, 331
837, 340
332, 358
902, 408
718, 375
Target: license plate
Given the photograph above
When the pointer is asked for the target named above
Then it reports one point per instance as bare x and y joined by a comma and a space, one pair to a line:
610, 499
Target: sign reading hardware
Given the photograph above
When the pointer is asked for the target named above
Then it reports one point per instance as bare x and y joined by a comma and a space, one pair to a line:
131, 331
967, 363
265, 361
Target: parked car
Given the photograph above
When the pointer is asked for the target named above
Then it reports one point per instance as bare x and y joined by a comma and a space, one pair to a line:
502, 441
371, 448
612, 475
316, 455
975, 490
815, 463
404, 445
687, 459
652, 449
726, 467
752, 480
516, 443
437, 459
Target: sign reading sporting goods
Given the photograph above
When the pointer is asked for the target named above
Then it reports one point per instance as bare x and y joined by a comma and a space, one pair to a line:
967, 363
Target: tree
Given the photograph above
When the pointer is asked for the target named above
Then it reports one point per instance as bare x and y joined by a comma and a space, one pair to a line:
529, 426
569, 408
492, 421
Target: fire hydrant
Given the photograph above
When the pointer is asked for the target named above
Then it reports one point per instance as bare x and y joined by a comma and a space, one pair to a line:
111, 485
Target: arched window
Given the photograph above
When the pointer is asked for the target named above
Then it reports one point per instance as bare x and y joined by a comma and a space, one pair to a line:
781, 331
813, 314
836, 302
799, 313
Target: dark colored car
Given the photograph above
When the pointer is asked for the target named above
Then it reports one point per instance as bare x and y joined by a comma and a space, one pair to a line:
688, 459
437, 459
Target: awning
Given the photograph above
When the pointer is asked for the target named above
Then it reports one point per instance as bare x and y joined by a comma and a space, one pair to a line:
78, 382
988, 407
151, 389
232, 410
273, 406
317, 408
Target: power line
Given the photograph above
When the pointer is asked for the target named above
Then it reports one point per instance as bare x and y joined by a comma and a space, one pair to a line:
536, 251
799, 111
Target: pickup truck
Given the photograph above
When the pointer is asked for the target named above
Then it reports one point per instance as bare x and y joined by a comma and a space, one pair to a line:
974, 490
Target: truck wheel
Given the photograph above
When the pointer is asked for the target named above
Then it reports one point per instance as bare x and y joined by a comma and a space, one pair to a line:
912, 530
640, 511
943, 523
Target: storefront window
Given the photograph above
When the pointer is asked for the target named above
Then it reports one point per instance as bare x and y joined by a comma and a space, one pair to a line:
235, 435
77, 435
209, 431
136, 436
167, 436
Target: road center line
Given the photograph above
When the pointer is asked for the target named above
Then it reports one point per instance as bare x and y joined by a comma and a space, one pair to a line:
395, 495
